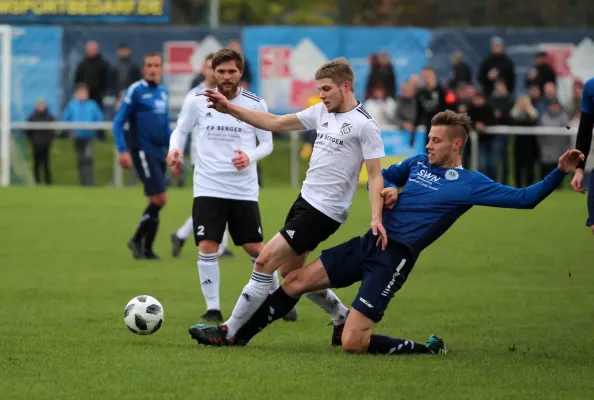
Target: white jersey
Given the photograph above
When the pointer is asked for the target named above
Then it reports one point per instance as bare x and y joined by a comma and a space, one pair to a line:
194, 134
344, 141
218, 135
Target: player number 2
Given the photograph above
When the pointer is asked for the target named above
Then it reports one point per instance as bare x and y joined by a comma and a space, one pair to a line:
200, 230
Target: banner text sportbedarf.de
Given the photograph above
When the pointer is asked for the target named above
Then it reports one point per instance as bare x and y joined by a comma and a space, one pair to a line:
85, 11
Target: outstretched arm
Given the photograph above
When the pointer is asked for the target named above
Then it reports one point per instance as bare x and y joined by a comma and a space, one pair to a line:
485, 192
258, 119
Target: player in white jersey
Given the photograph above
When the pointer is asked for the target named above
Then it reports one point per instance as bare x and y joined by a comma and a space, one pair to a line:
225, 176
178, 237
347, 137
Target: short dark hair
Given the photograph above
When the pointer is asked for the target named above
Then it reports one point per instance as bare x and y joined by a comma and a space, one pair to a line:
460, 122
152, 55
338, 70
82, 85
225, 55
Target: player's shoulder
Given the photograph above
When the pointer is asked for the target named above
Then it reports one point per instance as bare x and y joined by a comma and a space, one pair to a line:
136, 87
589, 86
421, 160
362, 118
249, 96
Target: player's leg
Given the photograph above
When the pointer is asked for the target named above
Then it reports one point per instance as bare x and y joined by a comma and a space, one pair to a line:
138, 240
384, 273
224, 247
155, 189
179, 237
209, 216
277, 304
590, 221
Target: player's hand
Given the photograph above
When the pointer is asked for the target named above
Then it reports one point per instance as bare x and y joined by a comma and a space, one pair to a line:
241, 160
217, 101
125, 160
390, 195
569, 160
377, 228
175, 159
577, 183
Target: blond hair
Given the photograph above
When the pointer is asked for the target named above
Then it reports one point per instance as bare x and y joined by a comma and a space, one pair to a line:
338, 70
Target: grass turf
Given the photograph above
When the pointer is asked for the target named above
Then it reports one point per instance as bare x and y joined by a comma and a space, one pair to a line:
497, 279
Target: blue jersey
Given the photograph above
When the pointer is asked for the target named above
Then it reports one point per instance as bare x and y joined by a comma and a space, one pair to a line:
146, 109
433, 198
588, 97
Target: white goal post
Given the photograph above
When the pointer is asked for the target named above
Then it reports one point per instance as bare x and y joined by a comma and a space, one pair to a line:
5, 100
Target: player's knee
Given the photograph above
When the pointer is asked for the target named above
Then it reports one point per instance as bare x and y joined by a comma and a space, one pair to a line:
208, 247
253, 249
159, 199
355, 341
294, 284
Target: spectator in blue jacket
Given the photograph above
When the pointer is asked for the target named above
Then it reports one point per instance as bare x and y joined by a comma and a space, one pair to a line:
83, 109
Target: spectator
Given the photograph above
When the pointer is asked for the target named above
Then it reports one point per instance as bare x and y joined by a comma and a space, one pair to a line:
125, 71
497, 66
464, 95
502, 103
541, 72
93, 71
461, 71
536, 99
552, 146
83, 109
41, 141
550, 93
406, 107
246, 78
576, 99
382, 74
415, 80
482, 116
430, 101
381, 107
526, 146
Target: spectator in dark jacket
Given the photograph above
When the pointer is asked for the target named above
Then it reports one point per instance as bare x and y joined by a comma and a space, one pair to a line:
93, 71
502, 102
497, 66
382, 74
526, 146
406, 109
41, 141
461, 71
541, 72
125, 72
430, 100
482, 116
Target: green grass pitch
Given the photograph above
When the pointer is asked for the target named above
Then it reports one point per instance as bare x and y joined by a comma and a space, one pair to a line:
499, 279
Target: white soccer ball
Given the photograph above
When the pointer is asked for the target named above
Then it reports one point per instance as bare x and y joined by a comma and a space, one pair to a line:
143, 315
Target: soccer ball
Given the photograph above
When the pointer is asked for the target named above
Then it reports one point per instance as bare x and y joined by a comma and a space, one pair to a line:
143, 315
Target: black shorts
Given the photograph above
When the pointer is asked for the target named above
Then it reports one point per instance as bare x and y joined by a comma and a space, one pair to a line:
150, 170
381, 272
211, 215
305, 227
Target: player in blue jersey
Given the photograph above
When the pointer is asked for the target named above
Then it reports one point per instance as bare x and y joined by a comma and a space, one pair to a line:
144, 144
583, 143
436, 191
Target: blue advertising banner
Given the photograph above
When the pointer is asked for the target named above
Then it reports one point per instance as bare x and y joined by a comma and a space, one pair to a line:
36, 69
85, 11
285, 59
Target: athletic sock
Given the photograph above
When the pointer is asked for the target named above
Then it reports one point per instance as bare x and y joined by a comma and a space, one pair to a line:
252, 297
152, 226
275, 282
276, 306
186, 229
328, 301
142, 225
210, 277
381, 344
